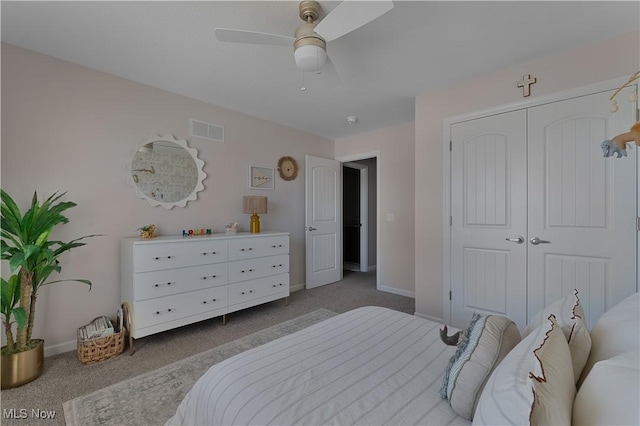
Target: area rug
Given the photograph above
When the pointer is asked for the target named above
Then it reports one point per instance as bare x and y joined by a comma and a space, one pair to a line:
152, 398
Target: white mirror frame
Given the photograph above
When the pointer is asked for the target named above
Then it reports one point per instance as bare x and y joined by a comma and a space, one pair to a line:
183, 144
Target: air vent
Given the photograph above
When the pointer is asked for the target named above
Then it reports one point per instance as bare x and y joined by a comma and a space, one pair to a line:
209, 131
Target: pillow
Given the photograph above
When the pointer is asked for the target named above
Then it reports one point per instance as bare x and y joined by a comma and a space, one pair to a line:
484, 344
533, 384
570, 317
615, 332
610, 393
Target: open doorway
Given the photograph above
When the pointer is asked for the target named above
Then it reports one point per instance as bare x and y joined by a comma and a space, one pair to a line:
359, 214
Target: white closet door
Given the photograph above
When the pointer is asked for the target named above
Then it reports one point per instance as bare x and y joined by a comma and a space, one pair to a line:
488, 205
582, 204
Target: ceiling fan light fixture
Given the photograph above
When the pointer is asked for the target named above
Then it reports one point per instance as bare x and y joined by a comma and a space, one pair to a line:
310, 57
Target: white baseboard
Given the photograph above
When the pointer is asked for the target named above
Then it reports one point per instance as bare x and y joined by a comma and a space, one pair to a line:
71, 345
297, 287
397, 291
429, 317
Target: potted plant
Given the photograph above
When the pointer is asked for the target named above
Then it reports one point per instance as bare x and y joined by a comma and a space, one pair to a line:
32, 258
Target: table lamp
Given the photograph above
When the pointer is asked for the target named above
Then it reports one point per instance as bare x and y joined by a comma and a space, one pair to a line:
253, 205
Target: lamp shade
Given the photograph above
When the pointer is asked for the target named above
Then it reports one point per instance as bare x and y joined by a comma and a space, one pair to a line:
254, 204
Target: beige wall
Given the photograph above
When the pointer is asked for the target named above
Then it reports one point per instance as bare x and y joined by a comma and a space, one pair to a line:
608, 59
395, 168
69, 128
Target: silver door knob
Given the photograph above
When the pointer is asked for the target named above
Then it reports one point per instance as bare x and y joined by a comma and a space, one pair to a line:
518, 240
535, 241
311, 228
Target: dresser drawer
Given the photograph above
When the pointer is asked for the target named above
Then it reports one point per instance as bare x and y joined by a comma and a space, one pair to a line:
159, 256
157, 311
246, 291
258, 247
172, 281
242, 270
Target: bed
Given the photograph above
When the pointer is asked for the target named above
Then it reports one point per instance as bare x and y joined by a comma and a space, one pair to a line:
377, 366
371, 365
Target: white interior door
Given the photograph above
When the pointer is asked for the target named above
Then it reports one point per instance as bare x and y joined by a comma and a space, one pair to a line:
489, 218
581, 205
539, 173
323, 210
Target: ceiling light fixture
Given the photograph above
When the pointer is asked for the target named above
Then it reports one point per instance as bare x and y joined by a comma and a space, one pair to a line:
309, 49
352, 119
310, 57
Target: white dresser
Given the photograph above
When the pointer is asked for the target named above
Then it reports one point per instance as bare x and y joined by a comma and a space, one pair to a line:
169, 282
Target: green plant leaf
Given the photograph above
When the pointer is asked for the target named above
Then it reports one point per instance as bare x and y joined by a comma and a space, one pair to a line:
26, 245
20, 316
87, 282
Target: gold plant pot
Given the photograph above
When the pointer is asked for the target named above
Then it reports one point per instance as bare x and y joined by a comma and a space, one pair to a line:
22, 367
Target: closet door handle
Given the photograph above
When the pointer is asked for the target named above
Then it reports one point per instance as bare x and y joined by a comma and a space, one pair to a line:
518, 240
535, 241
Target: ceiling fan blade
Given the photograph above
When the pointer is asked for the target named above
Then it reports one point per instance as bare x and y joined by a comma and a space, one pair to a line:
350, 15
252, 37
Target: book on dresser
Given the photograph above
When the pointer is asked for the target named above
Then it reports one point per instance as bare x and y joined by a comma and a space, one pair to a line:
168, 282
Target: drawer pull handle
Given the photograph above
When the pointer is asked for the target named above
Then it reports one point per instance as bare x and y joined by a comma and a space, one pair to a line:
204, 302
277, 266
159, 284
276, 246
163, 257
211, 252
247, 249
246, 270
160, 312
274, 286
212, 276
245, 292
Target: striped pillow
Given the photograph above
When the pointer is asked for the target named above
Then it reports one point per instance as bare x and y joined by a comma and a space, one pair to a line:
483, 345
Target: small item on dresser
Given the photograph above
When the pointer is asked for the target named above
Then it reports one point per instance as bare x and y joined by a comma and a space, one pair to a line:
147, 232
232, 228
195, 232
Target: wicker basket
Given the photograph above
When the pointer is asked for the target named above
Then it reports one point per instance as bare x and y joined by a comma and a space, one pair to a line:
100, 348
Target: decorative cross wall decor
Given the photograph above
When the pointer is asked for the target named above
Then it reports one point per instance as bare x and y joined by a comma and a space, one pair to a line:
526, 83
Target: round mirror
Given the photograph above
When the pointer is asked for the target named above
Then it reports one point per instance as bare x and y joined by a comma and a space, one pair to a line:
166, 172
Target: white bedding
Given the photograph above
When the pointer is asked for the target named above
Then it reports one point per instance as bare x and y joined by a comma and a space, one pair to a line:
371, 365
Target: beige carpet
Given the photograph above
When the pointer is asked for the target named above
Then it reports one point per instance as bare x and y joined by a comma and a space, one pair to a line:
65, 378
153, 398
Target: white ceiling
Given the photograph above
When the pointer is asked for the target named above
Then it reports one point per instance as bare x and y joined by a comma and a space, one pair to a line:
415, 48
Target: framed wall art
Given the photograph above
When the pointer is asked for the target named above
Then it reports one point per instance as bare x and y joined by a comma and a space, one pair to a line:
261, 177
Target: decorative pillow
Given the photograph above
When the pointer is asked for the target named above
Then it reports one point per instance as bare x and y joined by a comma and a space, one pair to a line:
610, 393
533, 384
570, 317
483, 345
615, 332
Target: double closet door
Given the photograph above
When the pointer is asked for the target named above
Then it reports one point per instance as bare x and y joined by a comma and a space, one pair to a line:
536, 210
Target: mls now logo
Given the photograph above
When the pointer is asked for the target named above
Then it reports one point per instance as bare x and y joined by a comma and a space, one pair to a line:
23, 413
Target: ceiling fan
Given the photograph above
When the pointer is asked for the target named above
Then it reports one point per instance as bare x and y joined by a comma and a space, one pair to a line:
310, 39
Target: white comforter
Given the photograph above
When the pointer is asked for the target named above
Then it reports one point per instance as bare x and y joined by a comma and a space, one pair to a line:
368, 366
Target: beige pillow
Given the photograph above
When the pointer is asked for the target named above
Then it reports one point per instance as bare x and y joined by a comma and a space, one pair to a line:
485, 343
533, 384
571, 318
